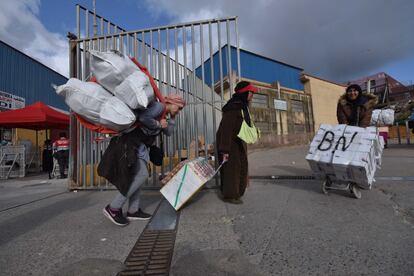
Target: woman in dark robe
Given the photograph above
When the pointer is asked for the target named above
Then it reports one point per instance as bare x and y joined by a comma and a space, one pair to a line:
233, 150
47, 157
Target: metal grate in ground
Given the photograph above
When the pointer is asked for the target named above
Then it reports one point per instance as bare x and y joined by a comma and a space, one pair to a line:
282, 177
152, 253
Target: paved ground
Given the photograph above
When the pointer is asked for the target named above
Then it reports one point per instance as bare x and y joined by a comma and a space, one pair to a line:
291, 228
63, 231
282, 228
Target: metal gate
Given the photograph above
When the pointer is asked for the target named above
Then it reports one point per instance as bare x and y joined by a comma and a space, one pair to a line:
180, 58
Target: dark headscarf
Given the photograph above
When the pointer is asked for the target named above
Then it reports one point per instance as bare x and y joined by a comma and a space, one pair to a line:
239, 101
355, 104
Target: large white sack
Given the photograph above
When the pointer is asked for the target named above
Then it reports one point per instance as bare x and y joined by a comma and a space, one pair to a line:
96, 105
111, 68
135, 90
382, 117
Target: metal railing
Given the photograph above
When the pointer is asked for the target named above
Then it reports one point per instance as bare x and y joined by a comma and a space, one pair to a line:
172, 54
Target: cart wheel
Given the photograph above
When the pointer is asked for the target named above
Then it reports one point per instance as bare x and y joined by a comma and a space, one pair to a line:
324, 190
356, 192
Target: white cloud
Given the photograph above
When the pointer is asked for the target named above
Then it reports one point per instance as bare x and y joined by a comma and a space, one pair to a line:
21, 28
334, 39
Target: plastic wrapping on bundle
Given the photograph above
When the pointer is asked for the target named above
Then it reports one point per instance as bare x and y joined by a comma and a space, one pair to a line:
95, 104
120, 76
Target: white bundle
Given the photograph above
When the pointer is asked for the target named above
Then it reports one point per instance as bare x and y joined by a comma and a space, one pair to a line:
119, 75
382, 117
346, 153
139, 83
96, 105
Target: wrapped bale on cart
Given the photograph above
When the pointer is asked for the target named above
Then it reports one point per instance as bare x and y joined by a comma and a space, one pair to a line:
346, 154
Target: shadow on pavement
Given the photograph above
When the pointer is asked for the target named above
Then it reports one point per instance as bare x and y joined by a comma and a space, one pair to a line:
17, 225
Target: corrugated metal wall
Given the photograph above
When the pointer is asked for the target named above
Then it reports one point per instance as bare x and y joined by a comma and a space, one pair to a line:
25, 77
255, 67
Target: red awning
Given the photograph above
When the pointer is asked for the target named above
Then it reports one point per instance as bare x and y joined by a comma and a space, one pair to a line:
36, 116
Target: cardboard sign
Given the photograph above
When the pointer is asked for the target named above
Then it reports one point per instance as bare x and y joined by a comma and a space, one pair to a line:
185, 180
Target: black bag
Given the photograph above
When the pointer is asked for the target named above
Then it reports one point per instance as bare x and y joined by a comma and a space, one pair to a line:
156, 154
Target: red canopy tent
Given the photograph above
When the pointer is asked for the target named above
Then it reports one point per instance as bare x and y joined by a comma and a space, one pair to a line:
37, 116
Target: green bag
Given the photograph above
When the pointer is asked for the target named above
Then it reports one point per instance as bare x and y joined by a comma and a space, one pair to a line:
248, 134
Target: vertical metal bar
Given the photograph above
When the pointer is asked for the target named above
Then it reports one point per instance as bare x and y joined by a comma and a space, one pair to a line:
151, 54
229, 68
114, 39
87, 23
177, 143
121, 44
220, 64
128, 52
161, 79
107, 40
168, 61
238, 50
102, 33
79, 158
203, 95
143, 48
407, 132
398, 134
186, 92
213, 97
168, 92
83, 144
194, 91
91, 160
135, 46
159, 59
176, 59
78, 21
79, 76
102, 26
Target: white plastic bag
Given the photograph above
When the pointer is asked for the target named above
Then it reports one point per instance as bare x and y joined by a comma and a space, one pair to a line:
120, 76
111, 68
382, 117
137, 83
96, 105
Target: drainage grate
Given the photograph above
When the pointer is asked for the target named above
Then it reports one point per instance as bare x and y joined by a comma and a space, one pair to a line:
282, 177
152, 253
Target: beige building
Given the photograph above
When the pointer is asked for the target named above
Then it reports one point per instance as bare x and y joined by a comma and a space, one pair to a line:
283, 115
325, 95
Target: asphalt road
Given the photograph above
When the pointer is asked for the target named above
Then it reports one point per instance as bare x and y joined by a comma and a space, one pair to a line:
284, 227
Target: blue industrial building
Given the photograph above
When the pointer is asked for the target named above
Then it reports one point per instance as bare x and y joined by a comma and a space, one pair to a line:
253, 67
23, 76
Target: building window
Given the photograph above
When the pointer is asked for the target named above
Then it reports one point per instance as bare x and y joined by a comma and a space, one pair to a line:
260, 100
297, 106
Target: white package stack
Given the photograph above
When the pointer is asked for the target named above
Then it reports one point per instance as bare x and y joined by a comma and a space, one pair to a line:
120, 76
382, 117
190, 177
321, 150
95, 104
347, 153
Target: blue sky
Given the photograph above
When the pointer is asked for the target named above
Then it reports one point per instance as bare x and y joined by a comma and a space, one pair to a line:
332, 39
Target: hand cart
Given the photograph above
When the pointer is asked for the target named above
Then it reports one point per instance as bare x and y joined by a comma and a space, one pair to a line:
329, 184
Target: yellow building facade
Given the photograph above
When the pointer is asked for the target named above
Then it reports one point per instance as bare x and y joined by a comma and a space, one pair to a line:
325, 95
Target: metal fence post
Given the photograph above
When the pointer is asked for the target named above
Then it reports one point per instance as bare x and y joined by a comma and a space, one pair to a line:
407, 132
